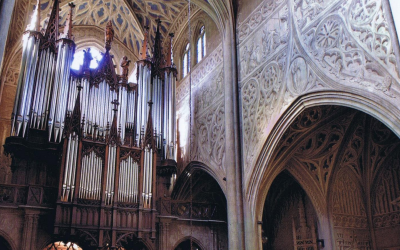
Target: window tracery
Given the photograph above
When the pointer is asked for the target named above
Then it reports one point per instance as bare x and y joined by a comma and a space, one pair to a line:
186, 60
201, 44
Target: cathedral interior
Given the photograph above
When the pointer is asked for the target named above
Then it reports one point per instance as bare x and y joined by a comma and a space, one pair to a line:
199, 124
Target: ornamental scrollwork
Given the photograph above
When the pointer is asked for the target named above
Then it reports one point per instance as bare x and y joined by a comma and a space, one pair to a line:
259, 96
209, 138
306, 11
98, 150
125, 153
261, 13
353, 54
265, 45
209, 92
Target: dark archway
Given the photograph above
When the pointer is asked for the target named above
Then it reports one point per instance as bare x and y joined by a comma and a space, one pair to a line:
4, 244
289, 218
188, 245
346, 165
129, 241
198, 187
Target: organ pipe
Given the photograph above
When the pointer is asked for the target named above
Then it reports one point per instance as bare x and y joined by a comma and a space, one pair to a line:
128, 181
76, 107
91, 171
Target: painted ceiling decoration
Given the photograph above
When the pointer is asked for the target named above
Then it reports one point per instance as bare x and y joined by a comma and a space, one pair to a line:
129, 29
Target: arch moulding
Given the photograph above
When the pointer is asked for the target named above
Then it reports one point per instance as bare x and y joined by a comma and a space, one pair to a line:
8, 239
189, 238
263, 175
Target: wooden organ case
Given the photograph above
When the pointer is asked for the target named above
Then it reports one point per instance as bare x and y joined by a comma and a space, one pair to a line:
113, 140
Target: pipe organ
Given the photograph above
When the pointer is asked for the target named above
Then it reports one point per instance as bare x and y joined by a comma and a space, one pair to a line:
112, 133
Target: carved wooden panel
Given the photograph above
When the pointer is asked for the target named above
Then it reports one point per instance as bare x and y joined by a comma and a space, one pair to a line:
87, 216
127, 218
347, 202
387, 189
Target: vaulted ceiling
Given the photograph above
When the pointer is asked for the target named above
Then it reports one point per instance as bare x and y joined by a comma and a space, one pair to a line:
128, 16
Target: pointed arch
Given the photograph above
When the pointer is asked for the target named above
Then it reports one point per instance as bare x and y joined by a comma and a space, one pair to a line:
7, 240
189, 238
256, 183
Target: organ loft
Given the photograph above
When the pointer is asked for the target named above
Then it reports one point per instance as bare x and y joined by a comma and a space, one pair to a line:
95, 154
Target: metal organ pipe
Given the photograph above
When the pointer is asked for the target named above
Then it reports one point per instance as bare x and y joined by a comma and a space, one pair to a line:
109, 192
70, 168
169, 116
92, 166
128, 181
144, 96
20, 117
147, 176
60, 91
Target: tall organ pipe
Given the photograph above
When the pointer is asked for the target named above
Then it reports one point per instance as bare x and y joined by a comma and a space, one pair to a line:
169, 119
144, 96
60, 90
128, 181
90, 185
20, 115
110, 176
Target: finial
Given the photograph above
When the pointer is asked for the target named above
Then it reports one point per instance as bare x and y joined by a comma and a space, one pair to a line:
68, 25
169, 62
144, 51
35, 22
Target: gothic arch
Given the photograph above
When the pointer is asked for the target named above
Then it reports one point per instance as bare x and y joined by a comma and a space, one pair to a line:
260, 177
263, 174
132, 236
191, 239
8, 240
196, 165
282, 215
196, 187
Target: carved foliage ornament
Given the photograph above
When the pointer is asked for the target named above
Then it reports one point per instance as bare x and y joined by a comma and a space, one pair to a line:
261, 13
318, 151
259, 96
352, 51
265, 45
208, 141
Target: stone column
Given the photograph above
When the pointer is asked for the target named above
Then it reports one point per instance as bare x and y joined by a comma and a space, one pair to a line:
232, 161
164, 235
214, 236
253, 231
30, 230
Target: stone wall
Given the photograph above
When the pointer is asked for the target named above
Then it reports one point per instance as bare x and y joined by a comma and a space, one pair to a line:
207, 114
288, 49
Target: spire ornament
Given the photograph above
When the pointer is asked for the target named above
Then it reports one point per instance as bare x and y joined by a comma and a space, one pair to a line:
68, 26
